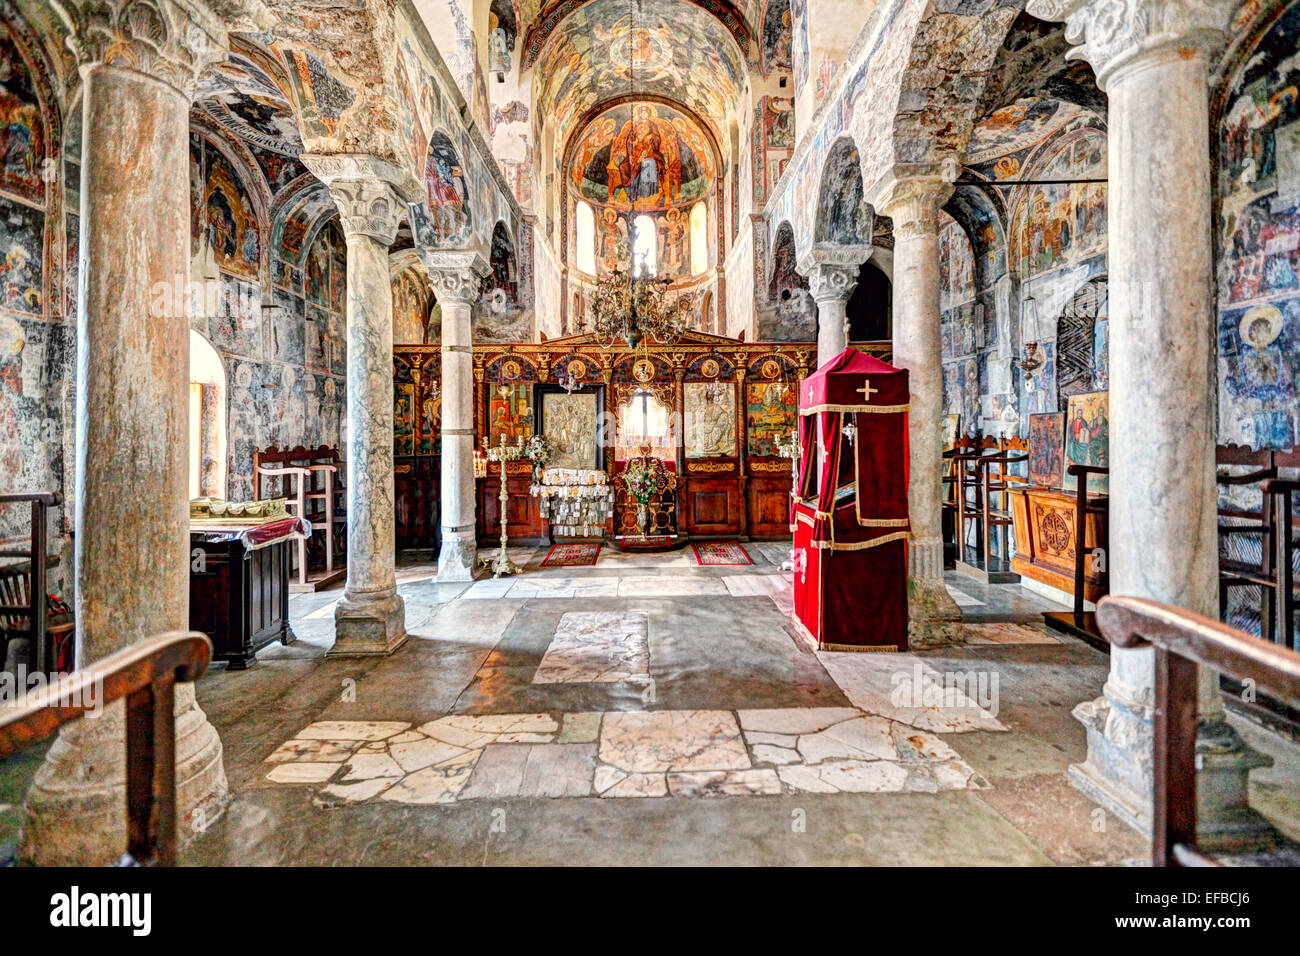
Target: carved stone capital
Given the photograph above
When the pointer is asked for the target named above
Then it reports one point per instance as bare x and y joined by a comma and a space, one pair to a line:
1112, 33
372, 195
831, 281
173, 41
455, 276
912, 202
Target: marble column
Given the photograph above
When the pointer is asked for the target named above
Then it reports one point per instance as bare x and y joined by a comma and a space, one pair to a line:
132, 434
370, 618
456, 277
913, 202
832, 277
1151, 58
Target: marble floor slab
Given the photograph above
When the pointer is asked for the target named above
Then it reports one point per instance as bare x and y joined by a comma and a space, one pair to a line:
1004, 632
904, 688
597, 647
675, 753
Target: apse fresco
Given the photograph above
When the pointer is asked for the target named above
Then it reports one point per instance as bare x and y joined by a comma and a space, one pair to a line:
642, 156
680, 51
22, 244
1259, 228
22, 130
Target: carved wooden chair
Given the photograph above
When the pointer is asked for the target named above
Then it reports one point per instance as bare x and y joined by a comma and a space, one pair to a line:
1248, 537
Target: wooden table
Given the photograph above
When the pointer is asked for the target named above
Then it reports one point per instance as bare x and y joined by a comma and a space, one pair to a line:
239, 585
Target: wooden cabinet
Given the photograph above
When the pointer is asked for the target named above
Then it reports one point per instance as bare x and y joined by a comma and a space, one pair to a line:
416, 487
767, 498
711, 498
1044, 521
523, 511
240, 598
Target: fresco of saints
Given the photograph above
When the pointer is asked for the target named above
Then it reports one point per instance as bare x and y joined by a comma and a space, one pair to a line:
1269, 381
644, 161
613, 238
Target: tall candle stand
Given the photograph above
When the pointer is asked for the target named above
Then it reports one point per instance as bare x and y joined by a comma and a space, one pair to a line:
504, 453
789, 447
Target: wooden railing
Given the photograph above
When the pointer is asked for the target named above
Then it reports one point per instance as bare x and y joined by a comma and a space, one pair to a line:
1182, 640
33, 609
145, 675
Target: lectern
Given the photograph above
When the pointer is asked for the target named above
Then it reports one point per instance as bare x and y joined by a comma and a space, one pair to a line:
849, 511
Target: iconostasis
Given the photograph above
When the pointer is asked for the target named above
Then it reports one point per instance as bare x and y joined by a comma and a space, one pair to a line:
713, 409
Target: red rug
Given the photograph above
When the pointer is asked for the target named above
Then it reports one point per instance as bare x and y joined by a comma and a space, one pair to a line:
571, 555
710, 553
655, 542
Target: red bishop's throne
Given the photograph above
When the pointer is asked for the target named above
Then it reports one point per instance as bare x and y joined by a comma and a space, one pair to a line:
849, 516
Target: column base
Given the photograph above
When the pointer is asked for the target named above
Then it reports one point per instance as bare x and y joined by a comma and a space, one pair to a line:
368, 625
1118, 773
456, 559
76, 809
933, 617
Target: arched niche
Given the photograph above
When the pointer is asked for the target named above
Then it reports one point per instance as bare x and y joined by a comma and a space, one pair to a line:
870, 309
1082, 341
207, 417
843, 219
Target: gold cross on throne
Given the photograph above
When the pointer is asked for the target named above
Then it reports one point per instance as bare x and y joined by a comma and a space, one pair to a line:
866, 391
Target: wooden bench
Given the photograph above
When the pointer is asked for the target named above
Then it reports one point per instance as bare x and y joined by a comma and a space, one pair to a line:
145, 675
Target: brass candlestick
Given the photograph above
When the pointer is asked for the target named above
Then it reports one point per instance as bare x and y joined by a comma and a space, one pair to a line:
504, 453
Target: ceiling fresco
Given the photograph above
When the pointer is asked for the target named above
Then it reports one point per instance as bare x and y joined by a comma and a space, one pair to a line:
679, 51
243, 97
643, 156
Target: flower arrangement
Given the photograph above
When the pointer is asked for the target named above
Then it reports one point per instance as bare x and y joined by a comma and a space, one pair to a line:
538, 450
646, 478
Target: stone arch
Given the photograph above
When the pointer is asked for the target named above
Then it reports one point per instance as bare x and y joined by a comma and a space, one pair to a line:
982, 215
444, 217
842, 217
783, 275
952, 51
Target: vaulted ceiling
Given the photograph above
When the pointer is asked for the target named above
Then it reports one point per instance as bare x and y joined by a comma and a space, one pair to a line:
667, 48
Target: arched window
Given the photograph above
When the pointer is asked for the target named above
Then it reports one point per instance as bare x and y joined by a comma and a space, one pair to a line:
644, 246
207, 419
586, 222
699, 238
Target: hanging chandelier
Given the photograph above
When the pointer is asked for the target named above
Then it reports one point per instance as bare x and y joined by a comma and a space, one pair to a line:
629, 304
634, 308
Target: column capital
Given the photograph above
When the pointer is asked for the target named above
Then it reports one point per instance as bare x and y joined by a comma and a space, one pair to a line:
913, 200
833, 272
456, 276
173, 41
372, 194
1110, 34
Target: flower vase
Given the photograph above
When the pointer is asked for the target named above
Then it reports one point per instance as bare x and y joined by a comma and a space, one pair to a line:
642, 519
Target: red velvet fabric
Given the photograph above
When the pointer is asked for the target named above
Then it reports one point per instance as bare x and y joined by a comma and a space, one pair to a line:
851, 579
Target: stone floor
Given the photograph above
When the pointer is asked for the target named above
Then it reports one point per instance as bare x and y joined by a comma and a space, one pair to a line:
648, 710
